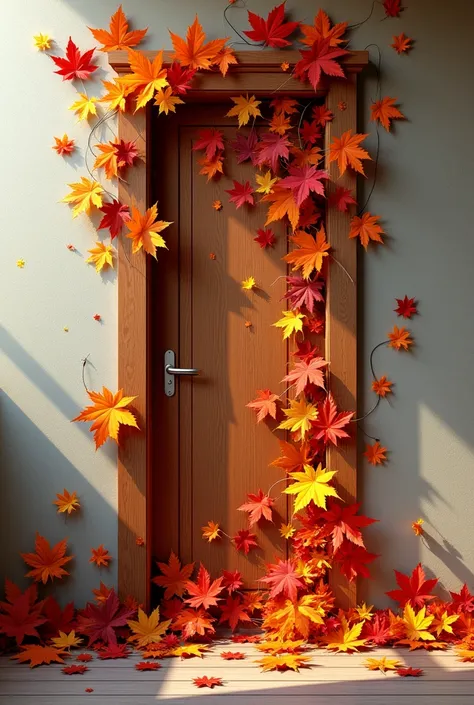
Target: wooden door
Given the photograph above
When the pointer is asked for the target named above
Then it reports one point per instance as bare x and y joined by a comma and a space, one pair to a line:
208, 450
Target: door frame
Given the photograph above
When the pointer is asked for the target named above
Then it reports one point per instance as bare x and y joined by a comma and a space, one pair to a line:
259, 73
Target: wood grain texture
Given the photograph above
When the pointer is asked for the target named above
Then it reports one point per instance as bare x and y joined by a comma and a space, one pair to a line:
341, 315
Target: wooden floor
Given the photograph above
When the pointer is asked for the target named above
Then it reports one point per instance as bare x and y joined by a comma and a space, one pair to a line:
331, 679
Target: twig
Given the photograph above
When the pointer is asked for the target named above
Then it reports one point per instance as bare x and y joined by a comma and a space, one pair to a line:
84, 363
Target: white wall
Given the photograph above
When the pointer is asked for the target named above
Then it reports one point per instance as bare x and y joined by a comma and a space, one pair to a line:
424, 195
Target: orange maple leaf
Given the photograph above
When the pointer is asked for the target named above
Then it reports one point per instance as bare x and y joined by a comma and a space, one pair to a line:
107, 159
100, 556
384, 111
47, 562
224, 59
402, 43
211, 167
382, 386
67, 502
347, 152
64, 145
293, 458
192, 51
119, 37
367, 228
174, 576
116, 95
283, 203
108, 412
399, 338
375, 454
310, 253
37, 655
144, 230
322, 30
264, 404
147, 77
211, 531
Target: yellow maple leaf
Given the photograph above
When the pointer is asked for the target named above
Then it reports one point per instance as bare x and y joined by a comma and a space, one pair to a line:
67, 502
190, 650
146, 76
108, 413
465, 653
265, 182
107, 159
365, 613
66, 641
42, 41
166, 101
299, 416
85, 195
443, 623
147, 630
287, 531
295, 617
249, 284
382, 664
416, 625
211, 531
101, 256
144, 230
311, 486
292, 322
84, 107
310, 253
116, 95
245, 108
193, 51
345, 639
20, 263
283, 662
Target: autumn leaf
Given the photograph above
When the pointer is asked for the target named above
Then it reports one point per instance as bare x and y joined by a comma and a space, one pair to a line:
271, 148
119, 37
283, 662
211, 531
322, 115
63, 145
84, 107
193, 51
244, 109
280, 124
114, 651
246, 147
108, 412
180, 78
240, 194
264, 404
75, 66
392, 8
265, 238
292, 322
414, 589
190, 650
310, 253
416, 624
376, 453
203, 593
232, 581
47, 563
210, 140
85, 658
306, 373
345, 638
66, 641
383, 664
321, 58
273, 30
57, 619
144, 230
147, 77
245, 541
406, 307
341, 199
462, 601
258, 506
100, 556
265, 183
85, 195
212, 167
330, 424
302, 292
21, 614
311, 486
283, 578
67, 502
115, 215
107, 159
116, 95
443, 622
399, 338
292, 457
285, 105
346, 151
101, 256
232, 655
147, 630
43, 42
294, 617
224, 59
382, 386
343, 521
384, 111
367, 228
299, 417
249, 284
304, 180
322, 29
194, 622
283, 204
74, 670
147, 666
38, 655
99, 622
409, 671
166, 101
233, 612
205, 682
174, 576
402, 43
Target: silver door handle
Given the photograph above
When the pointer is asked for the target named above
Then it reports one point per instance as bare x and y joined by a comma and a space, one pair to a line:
170, 372
181, 370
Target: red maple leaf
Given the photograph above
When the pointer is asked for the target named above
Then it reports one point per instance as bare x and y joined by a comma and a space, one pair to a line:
344, 522
57, 619
353, 560
322, 115
205, 682
330, 424
309, 214
147, 666
414, 589
284, 579
259, 505
180, 78
378, 630
409, 671
273, 30
317, 60
99, 622
392, 8
21, 615
116, 214
310, 132
231, 581
241, 193
303, 292
113, 651
210, 140
85, 658
463, 601
232, 655
74, 670
246, 638
315, 324
171, 608
305, 373
75, 65
341, 199
203, 593
264, 404
303, 180
265, 238
246, 147
126, 153
271, 148
233, 612
245, 541
305, 350
406, 307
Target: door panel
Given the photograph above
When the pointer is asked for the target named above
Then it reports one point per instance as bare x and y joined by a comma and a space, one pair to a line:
208, 450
